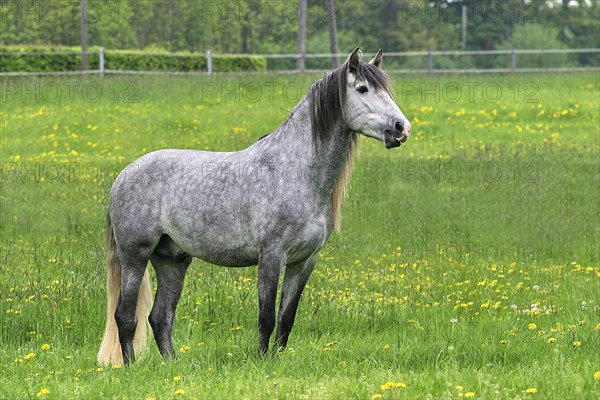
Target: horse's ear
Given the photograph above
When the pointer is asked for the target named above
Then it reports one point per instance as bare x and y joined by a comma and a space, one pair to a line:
377, 59
354, 58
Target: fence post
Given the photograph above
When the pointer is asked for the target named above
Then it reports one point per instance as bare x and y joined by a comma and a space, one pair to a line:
513, 61
209, 62
101, 62
429, 59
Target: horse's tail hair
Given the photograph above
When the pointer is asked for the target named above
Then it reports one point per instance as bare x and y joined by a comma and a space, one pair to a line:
110, 349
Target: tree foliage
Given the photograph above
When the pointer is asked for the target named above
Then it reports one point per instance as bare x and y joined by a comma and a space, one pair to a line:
267, 26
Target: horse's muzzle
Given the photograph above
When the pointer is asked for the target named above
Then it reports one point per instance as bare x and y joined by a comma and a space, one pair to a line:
393, 139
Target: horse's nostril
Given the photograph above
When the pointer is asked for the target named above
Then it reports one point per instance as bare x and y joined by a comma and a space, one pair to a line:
399, 127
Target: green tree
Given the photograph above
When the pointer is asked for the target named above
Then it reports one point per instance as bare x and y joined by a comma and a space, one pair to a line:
536, 36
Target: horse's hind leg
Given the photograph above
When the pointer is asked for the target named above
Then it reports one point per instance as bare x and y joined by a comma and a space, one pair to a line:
269, 267
133, 267
294, 281
170, 274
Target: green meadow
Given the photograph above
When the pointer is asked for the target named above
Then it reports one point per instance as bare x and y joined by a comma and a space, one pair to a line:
467, 265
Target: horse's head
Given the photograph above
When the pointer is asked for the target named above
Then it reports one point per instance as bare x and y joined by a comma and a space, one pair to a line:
369, 106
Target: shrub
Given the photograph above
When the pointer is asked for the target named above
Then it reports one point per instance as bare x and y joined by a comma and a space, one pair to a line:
29, 59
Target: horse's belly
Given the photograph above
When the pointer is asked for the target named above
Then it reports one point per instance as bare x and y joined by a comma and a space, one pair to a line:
218, 232
220, 249
228, 256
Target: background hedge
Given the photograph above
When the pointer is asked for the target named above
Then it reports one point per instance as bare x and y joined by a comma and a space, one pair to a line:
29, 59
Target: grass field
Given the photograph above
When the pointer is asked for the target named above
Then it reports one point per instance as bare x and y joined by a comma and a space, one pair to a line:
467, 265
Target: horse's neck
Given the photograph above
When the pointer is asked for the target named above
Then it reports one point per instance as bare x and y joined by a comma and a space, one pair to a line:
324, 163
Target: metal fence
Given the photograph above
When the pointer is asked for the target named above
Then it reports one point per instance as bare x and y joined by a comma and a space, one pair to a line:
492, 61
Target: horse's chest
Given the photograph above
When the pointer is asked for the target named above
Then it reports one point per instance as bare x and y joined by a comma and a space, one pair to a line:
307, 239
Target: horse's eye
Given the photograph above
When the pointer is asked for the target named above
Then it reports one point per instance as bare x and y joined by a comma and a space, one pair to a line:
362, 89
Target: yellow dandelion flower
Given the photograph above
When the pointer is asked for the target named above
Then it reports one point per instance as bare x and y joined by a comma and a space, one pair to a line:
179, 391
597, 375
46, 346
42, 392
176, 378
576, 343
387, 386
117, 366
532, 326
458, 387
469, 394
150, 398
551, 340
531, 390
400, 385
376, 396
29, 356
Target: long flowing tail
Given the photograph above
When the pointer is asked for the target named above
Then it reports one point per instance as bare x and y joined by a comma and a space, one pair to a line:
110, 349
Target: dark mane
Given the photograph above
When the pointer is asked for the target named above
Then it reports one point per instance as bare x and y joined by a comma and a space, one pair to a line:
327, 96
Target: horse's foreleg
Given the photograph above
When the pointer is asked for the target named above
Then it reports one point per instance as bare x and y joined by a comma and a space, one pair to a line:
132, 272
294, 282
170, 275
269, 267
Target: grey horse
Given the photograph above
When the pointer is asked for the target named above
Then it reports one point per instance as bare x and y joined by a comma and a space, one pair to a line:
274, 204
